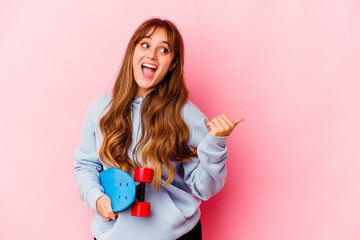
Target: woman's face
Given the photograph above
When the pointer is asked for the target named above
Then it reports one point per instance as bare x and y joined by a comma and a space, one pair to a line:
151, 61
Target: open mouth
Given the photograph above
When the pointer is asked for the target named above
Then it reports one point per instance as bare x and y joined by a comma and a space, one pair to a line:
148, 70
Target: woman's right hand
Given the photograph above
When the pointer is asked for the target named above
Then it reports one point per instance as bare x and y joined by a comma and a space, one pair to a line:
103, 207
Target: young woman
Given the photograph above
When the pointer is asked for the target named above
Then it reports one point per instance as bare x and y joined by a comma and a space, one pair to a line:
148, 121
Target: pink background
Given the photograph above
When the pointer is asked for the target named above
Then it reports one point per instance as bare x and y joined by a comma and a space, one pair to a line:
290, 68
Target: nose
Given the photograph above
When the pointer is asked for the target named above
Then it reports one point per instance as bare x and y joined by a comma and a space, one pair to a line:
152, 53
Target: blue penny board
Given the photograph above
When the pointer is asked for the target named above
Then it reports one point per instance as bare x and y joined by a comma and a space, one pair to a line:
119, 187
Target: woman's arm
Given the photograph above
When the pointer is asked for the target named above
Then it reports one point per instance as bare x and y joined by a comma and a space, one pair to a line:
206, 174
87, 164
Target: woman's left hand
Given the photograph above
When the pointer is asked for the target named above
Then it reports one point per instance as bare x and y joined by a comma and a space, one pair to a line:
221, 125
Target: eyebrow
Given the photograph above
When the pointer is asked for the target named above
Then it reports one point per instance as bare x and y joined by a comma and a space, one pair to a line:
152, 39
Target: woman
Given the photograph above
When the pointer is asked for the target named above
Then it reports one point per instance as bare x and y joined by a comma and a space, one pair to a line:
147, 121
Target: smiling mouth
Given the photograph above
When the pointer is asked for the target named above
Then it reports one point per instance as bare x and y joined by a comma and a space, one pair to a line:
148, 70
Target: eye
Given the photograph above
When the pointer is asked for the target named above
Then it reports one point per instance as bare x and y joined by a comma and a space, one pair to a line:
164, 50
145, 45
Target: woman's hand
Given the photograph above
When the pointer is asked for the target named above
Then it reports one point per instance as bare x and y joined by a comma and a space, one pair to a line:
103, 206
221, 125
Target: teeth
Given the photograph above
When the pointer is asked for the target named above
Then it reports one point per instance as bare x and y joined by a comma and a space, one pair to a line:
148, 65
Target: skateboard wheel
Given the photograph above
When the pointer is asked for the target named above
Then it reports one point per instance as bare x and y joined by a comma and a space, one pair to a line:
140, 209
143, 175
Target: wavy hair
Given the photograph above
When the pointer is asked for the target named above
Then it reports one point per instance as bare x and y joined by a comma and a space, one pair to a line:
164, 133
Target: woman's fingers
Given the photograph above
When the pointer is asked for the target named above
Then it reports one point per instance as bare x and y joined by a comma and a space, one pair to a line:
232, 123
211, 124
227, 120
219, 125
222, 125
236, 121
103, 206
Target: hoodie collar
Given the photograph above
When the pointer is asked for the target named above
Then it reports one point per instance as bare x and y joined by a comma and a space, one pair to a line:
138, 100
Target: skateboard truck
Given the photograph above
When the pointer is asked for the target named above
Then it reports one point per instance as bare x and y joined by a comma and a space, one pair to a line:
141, 208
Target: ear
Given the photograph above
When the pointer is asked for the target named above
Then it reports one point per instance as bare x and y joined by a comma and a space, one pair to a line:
173, 65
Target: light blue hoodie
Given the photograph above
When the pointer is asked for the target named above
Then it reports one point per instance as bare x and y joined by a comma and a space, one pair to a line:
175, 208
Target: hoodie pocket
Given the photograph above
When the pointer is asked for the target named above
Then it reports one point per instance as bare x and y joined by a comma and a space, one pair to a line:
164, 209
100, 226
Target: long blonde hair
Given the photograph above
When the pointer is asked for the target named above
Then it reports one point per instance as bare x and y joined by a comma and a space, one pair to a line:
164, 133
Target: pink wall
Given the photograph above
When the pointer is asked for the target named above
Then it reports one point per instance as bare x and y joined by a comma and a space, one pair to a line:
290, 68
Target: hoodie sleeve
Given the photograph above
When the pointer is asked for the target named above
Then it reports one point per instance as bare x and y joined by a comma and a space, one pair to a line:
205, 175
87, 163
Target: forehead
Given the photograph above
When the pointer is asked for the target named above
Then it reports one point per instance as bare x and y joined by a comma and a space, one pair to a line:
159, 34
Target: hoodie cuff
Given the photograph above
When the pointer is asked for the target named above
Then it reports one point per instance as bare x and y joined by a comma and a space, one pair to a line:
92, 196
214, 142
